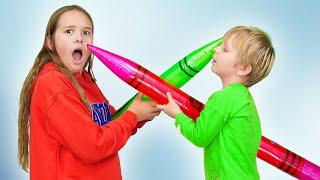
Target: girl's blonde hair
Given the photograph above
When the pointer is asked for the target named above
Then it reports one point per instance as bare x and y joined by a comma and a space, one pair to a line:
45, 55
255, 49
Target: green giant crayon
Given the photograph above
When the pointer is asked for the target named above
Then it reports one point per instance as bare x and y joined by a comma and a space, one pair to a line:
185, 69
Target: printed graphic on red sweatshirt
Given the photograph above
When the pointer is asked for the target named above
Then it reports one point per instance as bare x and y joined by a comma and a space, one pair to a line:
100, 113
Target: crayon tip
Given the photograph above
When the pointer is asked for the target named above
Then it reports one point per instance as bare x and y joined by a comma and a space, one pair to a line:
90, 47
95, 50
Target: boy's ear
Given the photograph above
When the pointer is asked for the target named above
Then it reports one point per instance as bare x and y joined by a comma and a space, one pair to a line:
244, 70
49, 42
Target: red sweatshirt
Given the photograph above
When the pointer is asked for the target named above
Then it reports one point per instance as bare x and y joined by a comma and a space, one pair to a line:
68, 141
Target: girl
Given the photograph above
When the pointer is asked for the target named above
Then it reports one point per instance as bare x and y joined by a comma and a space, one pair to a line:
67, 115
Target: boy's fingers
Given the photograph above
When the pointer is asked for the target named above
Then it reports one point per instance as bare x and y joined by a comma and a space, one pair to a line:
170, 99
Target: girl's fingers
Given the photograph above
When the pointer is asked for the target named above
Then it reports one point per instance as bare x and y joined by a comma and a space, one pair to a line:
161, 107
139, 96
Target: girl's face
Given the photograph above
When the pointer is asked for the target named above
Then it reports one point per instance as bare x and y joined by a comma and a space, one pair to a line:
73, 33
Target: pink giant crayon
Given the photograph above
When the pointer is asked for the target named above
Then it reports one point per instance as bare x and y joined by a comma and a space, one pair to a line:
156, 88
146, 82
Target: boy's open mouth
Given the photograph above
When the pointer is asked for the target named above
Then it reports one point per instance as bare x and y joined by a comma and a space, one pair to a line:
77, 54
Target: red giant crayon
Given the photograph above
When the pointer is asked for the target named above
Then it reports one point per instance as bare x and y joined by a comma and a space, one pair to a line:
156, 88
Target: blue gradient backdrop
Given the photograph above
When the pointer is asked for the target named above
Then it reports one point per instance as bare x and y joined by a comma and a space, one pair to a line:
156, 34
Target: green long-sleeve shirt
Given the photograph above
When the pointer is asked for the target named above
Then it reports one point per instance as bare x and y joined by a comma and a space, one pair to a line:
229, 130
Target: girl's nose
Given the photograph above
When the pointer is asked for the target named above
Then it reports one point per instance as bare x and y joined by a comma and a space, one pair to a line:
79, 41
79, 38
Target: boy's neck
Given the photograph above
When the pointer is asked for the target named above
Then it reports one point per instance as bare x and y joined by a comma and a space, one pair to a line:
228, 81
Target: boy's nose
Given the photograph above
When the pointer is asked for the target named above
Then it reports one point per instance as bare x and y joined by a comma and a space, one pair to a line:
217, 50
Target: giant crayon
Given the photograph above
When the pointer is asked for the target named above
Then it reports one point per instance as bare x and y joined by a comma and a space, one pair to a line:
185, 69
156, 88
287, 161
146, 82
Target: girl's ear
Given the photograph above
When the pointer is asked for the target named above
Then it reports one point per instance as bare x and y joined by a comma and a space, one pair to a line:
49, 42
244, 70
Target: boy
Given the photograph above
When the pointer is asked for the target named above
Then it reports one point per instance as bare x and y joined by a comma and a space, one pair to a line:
228, 128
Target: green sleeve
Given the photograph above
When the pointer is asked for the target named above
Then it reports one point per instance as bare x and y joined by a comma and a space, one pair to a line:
202, 131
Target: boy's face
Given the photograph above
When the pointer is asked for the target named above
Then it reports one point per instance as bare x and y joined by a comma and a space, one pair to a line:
224, 60
73, 33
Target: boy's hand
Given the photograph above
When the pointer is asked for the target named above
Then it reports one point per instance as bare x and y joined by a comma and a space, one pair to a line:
171, 109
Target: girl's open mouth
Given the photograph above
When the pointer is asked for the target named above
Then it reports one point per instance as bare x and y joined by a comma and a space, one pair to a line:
77, 55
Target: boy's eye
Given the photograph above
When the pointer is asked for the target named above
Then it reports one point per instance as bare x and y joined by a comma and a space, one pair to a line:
225, 49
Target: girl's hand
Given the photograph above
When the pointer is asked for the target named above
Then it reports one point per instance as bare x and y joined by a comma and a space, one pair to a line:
144, 109
171, 109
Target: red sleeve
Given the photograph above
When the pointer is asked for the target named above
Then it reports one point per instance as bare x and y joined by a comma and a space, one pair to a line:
69, 122
111, 108
140, 124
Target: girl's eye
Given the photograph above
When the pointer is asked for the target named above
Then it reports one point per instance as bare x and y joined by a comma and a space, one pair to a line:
87, 33
68, 31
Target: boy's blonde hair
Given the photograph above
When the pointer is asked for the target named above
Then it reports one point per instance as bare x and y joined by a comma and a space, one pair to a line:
255, 49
